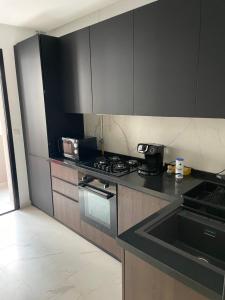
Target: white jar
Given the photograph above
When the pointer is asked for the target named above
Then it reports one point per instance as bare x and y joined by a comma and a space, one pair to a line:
179, 168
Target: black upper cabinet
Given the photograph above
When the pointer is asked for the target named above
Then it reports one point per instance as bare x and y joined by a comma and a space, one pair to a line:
38, 69
211, 83
29, 76
69, 124
112, 65
166, 40
76, 72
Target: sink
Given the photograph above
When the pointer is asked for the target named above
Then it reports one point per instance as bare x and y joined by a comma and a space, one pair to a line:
207, 198
187, 243
193, 234
208, 192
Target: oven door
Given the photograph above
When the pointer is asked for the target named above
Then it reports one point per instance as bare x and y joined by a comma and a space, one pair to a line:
98, 208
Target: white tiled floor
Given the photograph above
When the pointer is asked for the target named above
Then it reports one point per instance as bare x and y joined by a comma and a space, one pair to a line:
6, 204
41, 259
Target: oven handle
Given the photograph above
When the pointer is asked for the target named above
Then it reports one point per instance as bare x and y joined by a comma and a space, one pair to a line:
95, 191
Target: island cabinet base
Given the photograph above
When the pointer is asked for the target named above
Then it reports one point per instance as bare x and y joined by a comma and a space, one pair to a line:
142, 281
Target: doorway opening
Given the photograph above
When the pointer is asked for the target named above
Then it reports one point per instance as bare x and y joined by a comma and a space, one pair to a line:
9, 196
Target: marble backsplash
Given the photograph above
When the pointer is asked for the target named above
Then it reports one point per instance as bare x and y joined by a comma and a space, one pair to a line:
200, 141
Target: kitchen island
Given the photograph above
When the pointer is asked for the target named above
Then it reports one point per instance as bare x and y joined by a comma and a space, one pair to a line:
161, 259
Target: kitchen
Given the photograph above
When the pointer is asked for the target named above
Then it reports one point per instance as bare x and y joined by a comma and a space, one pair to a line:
123, 127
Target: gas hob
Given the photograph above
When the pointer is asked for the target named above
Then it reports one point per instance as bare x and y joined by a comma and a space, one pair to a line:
115, 165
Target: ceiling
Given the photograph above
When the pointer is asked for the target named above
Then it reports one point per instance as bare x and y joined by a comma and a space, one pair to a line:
45, 15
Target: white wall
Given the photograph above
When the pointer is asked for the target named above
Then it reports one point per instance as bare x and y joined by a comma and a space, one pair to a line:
200, 141
9, 36
100, 15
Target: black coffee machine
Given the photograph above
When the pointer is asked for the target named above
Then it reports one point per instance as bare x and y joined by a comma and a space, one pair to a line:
153, 164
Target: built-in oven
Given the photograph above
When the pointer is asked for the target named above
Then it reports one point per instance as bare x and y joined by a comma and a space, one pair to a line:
98, 203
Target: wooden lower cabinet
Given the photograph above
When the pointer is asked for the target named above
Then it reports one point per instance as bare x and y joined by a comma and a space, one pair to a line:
67, 208
65, 188
67, 211
101, 239
63, 172
142, 281
134, 207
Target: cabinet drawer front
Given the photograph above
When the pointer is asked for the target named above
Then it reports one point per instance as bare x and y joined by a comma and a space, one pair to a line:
65, 188
65, 173
67, 211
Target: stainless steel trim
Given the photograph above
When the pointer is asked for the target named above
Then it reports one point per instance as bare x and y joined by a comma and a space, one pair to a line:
95, 191
210, 233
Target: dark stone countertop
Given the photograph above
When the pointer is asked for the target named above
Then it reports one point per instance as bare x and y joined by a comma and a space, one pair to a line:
163, 186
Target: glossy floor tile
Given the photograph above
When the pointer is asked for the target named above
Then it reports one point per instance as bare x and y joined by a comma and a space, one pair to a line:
42, 259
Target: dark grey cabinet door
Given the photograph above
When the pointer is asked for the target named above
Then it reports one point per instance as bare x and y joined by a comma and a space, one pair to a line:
29, 76
40, 183
211, 81
76, 72
166, 39
112, 65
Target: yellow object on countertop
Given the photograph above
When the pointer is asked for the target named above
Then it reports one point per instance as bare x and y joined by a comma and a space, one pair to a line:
172, 169
187, 171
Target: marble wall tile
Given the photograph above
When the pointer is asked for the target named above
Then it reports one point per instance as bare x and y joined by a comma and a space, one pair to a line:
200, 141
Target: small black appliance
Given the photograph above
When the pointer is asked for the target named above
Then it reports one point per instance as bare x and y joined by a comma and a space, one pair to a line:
153, 164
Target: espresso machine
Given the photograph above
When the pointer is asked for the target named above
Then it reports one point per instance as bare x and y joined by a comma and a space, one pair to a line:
153, 164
